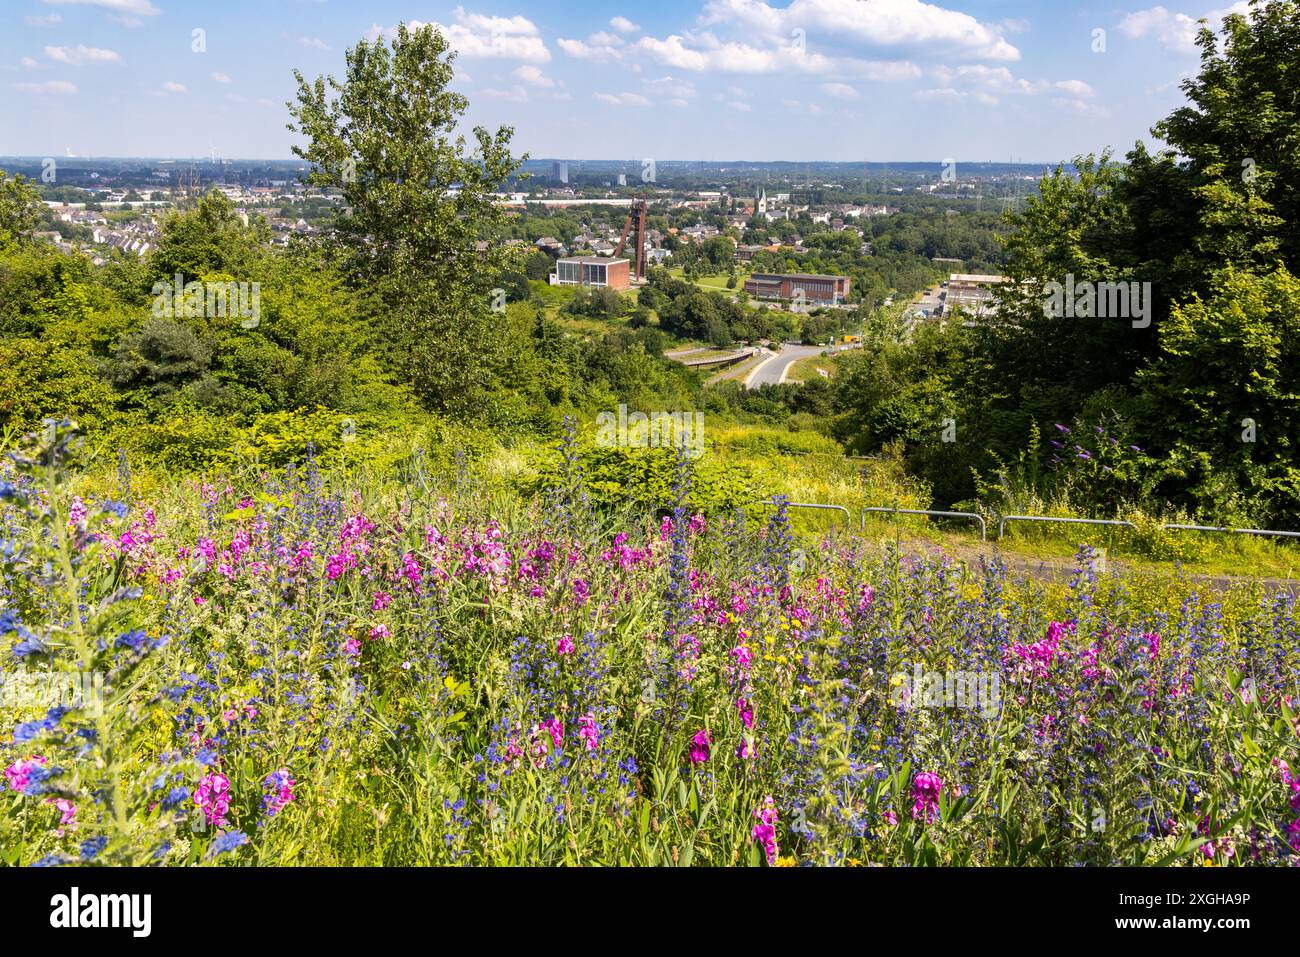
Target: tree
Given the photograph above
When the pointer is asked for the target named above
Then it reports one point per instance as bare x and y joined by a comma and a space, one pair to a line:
1224, 392
20, 209
416, 207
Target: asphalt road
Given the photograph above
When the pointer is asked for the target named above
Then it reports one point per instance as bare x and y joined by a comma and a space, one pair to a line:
772, 371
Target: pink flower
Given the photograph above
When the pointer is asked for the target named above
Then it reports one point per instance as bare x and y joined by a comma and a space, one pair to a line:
700, 746
352, 647
589, 731
764, 832
279, 791
746, 750
746, 710
379, 631
382, 601
213, 798
925, 795
564, 646
891, 818
66, 808
20, 772
555, 728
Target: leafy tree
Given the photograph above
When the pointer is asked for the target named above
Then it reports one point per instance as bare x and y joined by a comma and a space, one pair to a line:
20, 209
417, 206
1224, 400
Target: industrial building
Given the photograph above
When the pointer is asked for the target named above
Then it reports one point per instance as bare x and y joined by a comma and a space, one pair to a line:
828, 290
976, 294
592, 271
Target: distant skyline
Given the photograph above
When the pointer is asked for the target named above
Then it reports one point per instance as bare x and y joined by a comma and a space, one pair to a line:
713, 80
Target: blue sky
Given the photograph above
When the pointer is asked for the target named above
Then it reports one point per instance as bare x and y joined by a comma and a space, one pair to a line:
877, 80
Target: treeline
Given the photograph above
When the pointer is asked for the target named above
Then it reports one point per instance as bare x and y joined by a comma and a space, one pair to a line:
1179, 394
397, 319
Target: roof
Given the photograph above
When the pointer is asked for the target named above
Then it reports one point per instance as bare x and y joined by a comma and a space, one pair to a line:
604, 260
770, 276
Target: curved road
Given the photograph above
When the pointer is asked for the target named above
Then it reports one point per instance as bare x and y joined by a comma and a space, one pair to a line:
773, 370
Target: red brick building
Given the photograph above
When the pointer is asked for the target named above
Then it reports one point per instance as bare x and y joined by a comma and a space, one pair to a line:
820, 289
592, 271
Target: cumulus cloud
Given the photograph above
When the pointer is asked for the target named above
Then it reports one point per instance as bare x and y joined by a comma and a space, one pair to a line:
598, 47
135, 8
840, 91
624, 25
908, 27
316, 43
1174, 31
533, 76
478, 36
80, 54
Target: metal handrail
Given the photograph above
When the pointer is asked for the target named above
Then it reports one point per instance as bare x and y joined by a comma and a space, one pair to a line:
928, 511
839, 508
1235, 531
1050, 518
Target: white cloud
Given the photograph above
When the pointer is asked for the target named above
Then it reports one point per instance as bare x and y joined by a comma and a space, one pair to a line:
478, 36
598, 48
59, 87
142, 8
939, 93
624, 25
30, 63
622, 99
173, 87
533, 76
47, 21
906, 26
221, 77
76, 56
840, 91
1173, 31
1076, 87
1076, 105
316, 43
514, 94
671, 87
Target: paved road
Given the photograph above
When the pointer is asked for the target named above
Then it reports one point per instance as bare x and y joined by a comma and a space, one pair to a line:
773, 370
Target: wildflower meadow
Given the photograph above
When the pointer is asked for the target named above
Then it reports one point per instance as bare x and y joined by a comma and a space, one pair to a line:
311, 666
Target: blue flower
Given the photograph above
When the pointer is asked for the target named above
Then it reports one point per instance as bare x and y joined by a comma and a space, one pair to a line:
227, 842
135, 640
90, 849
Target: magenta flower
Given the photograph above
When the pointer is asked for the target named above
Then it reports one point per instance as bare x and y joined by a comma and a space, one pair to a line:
278, 786
746, 710
589, 731
18, 773
764, 832
564, 646
925, 795
700, 746
213, 799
